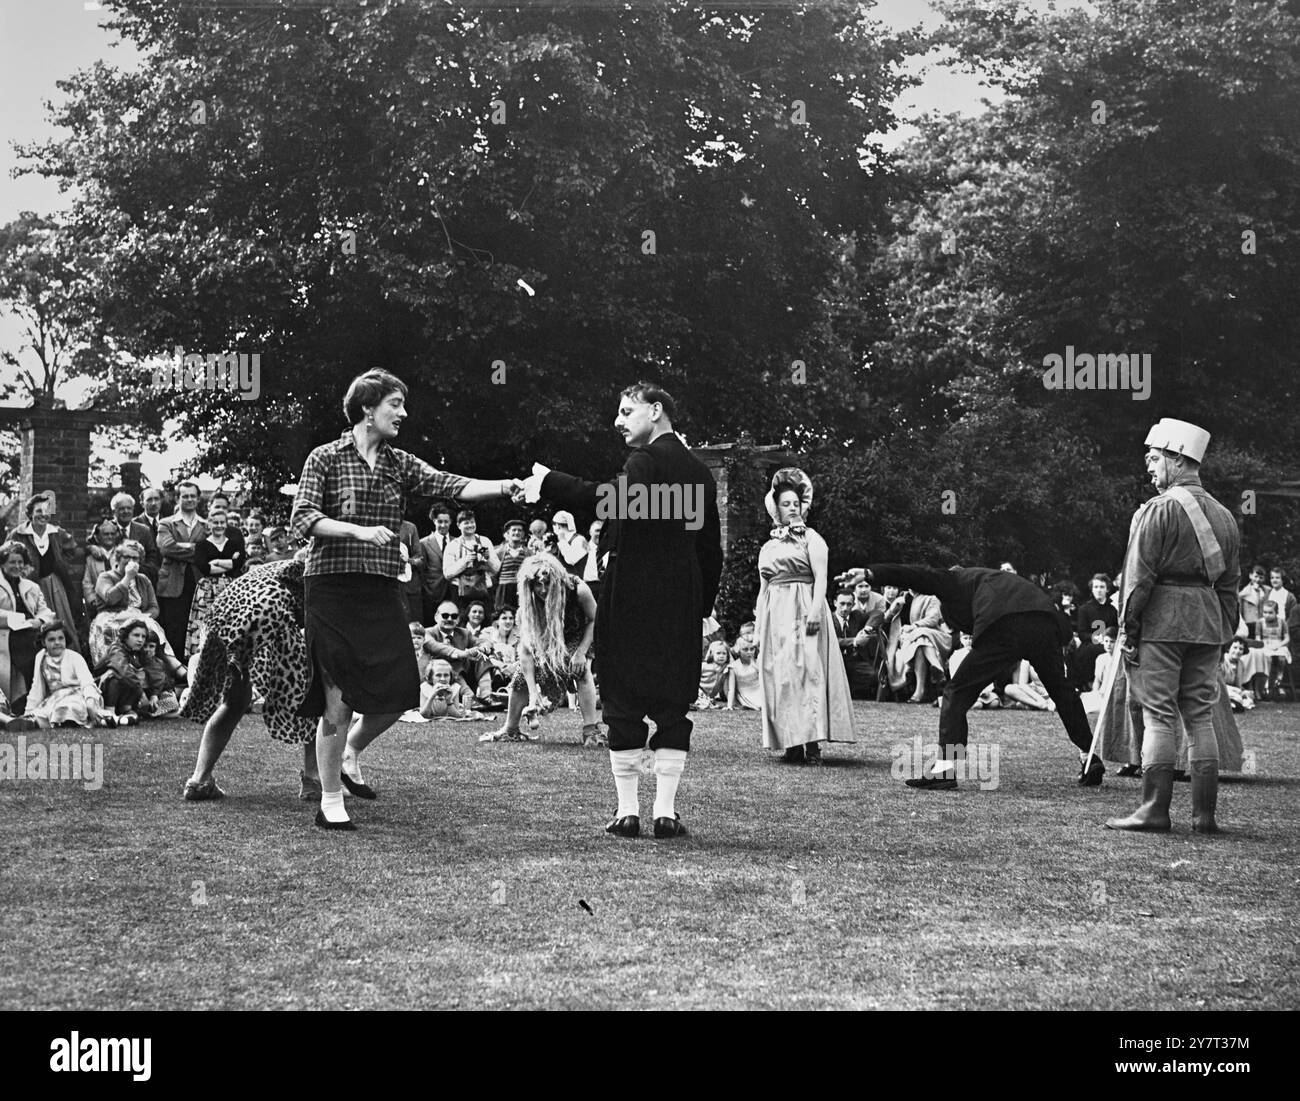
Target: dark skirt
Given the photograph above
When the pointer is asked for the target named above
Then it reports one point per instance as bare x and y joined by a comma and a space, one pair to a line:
358, 637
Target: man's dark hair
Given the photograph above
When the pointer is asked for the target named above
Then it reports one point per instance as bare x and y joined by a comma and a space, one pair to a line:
651, 392
438, 510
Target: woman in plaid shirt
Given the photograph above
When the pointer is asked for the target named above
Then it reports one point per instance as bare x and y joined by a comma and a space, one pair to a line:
351, 499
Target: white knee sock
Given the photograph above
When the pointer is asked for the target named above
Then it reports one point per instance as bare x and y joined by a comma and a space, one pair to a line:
669, 764
331, 805
624, 765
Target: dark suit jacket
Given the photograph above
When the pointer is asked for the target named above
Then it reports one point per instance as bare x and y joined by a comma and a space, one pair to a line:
433, 581
973, 598
143, 534
662, 577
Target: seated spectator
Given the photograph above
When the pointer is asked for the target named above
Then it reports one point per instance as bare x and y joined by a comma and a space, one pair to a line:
1021, 685
711, 632
743, 688
159, 683
511, 554
865, 604
1096, 610
470, 562
63, 691
125, 594
1251, 597
441, 698
1084, 662
849, 634
1277, 646
474, 619
22, 612
469, 662
502, 643
713, 676
988, 697
123, 506
922, 644
99, 557
1234, 677
122, 678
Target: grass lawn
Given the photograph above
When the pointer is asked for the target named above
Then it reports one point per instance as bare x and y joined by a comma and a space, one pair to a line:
799, 888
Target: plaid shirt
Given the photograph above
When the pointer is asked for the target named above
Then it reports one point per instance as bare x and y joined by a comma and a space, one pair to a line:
338, 483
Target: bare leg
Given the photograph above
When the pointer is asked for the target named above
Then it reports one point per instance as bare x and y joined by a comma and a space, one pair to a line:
331, 739
366, 728
587, 698
921, 669
217, 733
309, 767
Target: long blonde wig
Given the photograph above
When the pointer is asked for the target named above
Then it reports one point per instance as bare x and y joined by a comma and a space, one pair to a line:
543, 581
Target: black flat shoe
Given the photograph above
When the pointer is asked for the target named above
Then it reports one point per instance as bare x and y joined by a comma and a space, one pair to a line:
627, 826
1180, 776
793, 756
361, 791
1130, 770
1092, 778
325, 824
670, 827
933, 783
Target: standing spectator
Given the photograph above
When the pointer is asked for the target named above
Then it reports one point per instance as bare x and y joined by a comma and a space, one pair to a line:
178, 536
254, 524
1251, 598
45, 551
22, 611
511, 554
277, 546
123, 506
218, 558
152, 500
571, 545
594, 569
435, 583
410, 577
537, 532
104, 539
471, 561
1097, 611
1279, 594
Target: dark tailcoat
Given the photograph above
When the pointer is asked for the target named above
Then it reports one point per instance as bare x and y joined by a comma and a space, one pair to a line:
662, 578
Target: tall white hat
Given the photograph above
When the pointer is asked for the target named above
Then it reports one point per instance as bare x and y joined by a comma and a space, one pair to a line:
1180, 437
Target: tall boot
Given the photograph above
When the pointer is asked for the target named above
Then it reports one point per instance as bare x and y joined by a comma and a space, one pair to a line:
1157, 794
1205, 796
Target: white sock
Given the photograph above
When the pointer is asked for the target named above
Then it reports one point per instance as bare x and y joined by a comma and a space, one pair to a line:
331, 806
624, 764
669, 764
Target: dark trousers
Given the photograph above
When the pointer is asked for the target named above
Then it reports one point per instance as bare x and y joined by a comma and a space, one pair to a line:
1021, 635
625, 713
174, 611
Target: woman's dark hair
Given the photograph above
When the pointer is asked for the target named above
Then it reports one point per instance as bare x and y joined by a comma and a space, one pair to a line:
1102, 577
651, 392
37, 498
369, 390
787, 487
41, 632
465, 514
124, 631
465, 614
15, 546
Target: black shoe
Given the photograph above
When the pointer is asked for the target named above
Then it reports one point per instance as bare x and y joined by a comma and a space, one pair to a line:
1130, 770
361, 791
627, 826
1092, 778
670, 827
325, 824
812, 754
1180, 776
933, 783
793, 756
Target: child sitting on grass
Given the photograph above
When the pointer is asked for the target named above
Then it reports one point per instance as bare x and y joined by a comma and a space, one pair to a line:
159, 684
1241, 697
743, 687
440, 698
713, 677
63, 691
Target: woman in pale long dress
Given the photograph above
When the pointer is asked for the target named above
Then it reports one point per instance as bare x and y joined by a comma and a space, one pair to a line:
806, 697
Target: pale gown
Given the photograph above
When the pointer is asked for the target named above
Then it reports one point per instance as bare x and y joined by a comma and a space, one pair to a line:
805, 688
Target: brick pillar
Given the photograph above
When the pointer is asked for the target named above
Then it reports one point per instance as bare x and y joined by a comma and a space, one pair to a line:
56, 458
718, 468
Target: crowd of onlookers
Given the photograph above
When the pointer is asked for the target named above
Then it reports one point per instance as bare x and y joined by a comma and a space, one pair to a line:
113, 646
897, 647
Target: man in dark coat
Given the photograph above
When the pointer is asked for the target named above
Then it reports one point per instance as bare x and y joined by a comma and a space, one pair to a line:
1009, 618
663, 537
